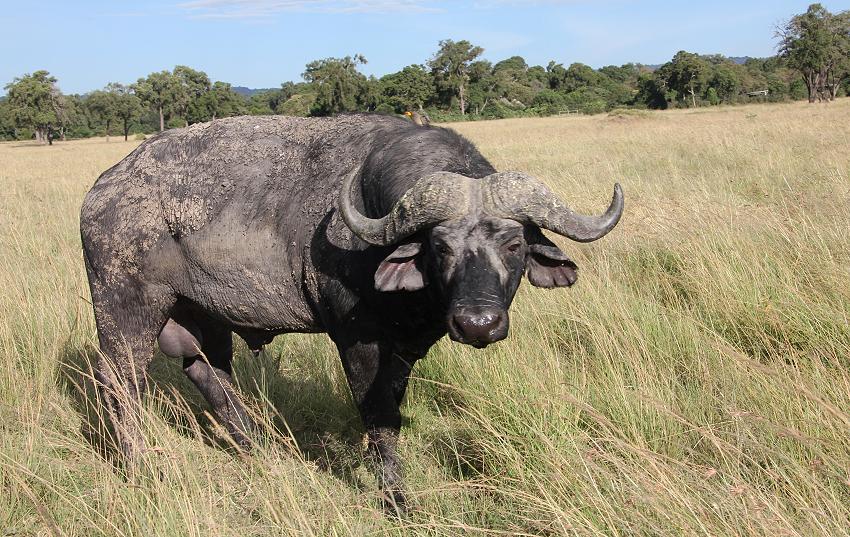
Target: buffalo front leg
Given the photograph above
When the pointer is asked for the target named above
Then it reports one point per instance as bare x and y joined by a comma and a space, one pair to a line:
378, 378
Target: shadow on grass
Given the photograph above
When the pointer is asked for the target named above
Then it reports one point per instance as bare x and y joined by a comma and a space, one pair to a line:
76, 380
324, 426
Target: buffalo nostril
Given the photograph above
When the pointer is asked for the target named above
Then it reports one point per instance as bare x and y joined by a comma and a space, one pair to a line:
477, 327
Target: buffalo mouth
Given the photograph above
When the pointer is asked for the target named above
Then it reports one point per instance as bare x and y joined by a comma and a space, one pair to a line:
478, 326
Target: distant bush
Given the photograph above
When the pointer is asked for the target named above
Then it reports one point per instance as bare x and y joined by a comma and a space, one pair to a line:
548, 102
499, 110
445, 116
80, 131
587, 100
797, 90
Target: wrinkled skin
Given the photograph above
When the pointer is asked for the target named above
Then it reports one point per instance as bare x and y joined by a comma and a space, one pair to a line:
232, 227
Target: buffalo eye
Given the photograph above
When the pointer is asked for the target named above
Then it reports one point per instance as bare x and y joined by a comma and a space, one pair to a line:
442, 249
513, 247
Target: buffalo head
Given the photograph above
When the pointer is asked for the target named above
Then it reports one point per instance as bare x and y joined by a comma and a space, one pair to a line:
473, 239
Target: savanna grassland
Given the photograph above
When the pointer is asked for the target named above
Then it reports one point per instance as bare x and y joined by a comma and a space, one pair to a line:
695, 381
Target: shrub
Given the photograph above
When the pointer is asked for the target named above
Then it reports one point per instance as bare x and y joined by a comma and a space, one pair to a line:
548, 102
587, 100
499, 110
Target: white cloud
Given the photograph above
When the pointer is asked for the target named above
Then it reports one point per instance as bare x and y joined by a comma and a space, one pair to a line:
262, 9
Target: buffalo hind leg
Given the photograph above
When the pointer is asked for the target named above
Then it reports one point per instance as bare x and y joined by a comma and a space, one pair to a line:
207, 352
128, 317
378, 378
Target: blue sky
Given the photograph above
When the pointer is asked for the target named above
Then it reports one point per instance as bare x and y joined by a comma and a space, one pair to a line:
261, 43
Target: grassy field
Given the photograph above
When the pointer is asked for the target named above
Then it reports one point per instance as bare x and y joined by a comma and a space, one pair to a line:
694, 382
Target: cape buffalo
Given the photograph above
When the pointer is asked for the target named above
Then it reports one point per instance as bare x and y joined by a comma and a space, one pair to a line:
383, 234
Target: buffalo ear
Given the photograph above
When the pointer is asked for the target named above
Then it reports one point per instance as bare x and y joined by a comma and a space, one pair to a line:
401, 271
548, 266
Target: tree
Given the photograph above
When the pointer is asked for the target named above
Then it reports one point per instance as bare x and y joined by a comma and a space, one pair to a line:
726, 80
841, 75
482, 87
625, 74
450, 67
190, 85
556, 75
370, 96
548, 101
686, 74
579, 75
159, 91
340, 87
128, 106
77, 117
8, 130
36, 102
650, 91
817, 43
516, 82
102, 105
292, 99
409, 89
538, 76
219, 101
264, 103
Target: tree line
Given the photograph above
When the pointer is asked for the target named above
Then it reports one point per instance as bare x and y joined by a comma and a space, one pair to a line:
455, 83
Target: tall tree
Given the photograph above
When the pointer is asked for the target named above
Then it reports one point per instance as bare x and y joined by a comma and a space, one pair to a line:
579, 75
77, 118
450, 67
36, 102
340, 87
816, 43
219, 101
727, 79
102, 105
483, 86
556, 75
8, 130
686, 74
650, 91
514, 82
408, 89
128, 106
190, 85
158, 91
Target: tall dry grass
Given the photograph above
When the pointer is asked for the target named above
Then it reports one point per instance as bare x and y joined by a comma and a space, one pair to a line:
694, 382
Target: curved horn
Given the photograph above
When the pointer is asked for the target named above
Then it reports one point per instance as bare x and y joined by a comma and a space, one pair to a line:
525, 199
434, 198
